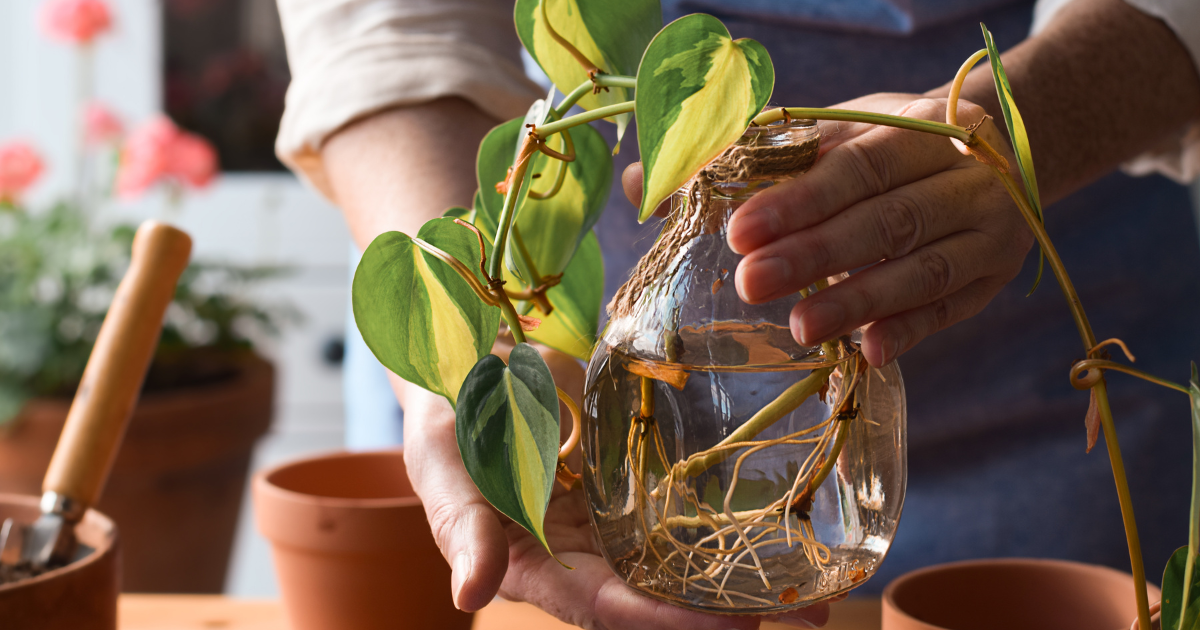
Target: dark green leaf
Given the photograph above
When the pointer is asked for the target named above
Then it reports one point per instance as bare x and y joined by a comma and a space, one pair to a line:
507, 426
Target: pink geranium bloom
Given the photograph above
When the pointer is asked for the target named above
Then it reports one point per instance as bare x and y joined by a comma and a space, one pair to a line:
75, 21
193, 160
157, 151
101, 125
20, 166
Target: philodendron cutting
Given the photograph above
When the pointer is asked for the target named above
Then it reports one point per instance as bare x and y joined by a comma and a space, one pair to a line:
677, 516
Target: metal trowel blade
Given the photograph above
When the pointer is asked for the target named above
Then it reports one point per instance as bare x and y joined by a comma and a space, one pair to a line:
11, 536
49, 542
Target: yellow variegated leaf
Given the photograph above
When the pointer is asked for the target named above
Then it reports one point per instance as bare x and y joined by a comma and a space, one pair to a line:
419, 317
697, 90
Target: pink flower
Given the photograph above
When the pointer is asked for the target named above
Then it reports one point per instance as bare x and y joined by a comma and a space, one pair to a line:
157, 151
100, 125
193, 160
20, 166
75, 21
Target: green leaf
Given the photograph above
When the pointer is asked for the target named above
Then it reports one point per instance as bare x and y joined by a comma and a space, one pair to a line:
1173, 593
1019, 137
551, 229
1181, 581
612, 34
506, 421
459, 213
571, 327
697, 90
420, 318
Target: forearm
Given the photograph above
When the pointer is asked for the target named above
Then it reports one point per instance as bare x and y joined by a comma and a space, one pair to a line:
399, 168
1101, 84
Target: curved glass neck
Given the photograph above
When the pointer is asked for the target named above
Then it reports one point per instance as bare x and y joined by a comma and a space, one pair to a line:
680, 305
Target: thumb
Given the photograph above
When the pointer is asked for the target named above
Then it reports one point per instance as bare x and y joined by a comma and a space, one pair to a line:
465, 526
631, 182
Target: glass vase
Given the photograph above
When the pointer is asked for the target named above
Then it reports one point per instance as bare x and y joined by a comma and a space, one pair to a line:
728, 468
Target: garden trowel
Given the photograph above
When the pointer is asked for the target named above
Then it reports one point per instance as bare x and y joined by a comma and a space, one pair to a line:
104, 401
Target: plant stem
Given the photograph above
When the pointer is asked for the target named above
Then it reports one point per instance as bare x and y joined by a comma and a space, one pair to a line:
1102, 364
1100, 388
615, 80
956, 85
515, 181
569, 101
587, 64
546, 131
459, 268
846, 115
510, 316
787, 402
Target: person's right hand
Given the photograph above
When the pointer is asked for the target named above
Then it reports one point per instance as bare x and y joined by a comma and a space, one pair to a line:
491, 555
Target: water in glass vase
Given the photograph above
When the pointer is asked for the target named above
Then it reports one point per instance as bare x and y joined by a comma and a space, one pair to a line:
728, 468
699, 476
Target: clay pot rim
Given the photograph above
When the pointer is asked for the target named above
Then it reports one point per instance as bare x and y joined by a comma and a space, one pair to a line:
263, 483
889, 591
93, 516
249, 366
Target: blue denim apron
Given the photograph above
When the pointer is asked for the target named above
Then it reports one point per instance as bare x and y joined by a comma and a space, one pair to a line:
996, 438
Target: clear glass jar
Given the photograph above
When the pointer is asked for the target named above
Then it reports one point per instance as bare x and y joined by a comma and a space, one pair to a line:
709, 433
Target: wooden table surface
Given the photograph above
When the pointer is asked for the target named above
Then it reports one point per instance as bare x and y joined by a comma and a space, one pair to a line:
209, 612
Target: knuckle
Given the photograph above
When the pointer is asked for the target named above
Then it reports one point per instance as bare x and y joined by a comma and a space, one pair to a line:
444, 518
819, 258
899, 226
869, 165
925, 108
936, 273
942, 317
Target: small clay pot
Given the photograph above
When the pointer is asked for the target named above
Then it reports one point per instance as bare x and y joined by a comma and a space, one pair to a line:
352, 547
79, 596
1012, 594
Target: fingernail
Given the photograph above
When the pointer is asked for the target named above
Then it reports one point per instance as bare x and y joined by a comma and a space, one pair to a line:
760, 226
459, 576
821, 322
891, 348
761, 278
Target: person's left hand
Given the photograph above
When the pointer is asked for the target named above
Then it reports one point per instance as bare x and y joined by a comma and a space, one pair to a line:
933, 231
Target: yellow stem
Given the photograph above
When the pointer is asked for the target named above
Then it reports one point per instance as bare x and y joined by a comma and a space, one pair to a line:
956, 86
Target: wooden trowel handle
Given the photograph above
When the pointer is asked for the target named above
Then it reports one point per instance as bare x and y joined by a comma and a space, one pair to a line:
117, 366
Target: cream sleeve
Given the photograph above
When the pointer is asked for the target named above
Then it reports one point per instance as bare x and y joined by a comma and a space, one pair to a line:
1177, 156
352, 58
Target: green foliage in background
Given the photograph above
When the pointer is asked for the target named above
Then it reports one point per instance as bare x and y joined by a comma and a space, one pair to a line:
58, 274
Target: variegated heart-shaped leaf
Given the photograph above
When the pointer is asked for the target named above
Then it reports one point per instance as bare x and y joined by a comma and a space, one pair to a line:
506, 421
612, 34
550, 229
697, 90
417, 315
572, 326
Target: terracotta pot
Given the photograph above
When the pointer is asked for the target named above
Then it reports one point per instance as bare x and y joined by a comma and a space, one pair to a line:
1012, 594
80, 596
176, 487
352, 547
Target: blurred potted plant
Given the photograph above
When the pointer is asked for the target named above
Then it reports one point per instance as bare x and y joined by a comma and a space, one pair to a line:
176, 487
